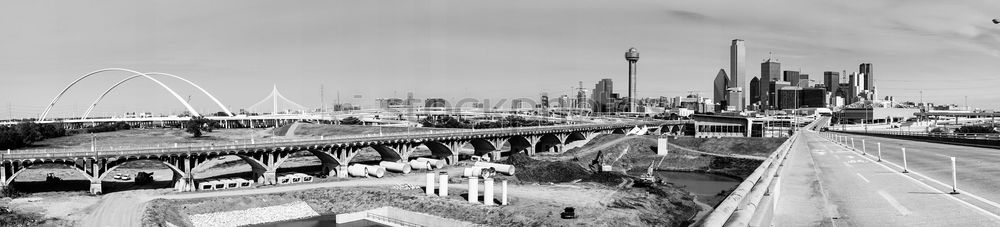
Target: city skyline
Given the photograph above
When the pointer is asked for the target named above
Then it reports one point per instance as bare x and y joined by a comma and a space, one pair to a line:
238, 53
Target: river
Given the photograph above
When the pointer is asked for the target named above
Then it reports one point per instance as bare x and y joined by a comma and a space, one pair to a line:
702, 184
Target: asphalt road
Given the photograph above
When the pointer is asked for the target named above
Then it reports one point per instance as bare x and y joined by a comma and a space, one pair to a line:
827, 184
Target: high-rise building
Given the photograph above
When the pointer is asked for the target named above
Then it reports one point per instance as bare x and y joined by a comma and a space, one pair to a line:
544, 100
775, 87
866, 69
632, 56
737, 71
792, 97
769, 71
831, 79
791, 77
754, 94
602, 95
720, 91
435, 102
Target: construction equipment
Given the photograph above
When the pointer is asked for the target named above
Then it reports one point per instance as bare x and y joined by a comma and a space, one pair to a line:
143, 178
52, 178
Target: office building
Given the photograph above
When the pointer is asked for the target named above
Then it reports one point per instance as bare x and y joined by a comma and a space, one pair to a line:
769, 71
792, 97
720, 91
831, 79
803, 80
866, 70
737, 74
544, 101
602, 95
435, 102
792, 77
754, 94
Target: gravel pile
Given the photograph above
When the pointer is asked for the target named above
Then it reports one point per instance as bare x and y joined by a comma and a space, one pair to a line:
290, 211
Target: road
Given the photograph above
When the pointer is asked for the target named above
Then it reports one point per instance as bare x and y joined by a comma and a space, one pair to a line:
826, 184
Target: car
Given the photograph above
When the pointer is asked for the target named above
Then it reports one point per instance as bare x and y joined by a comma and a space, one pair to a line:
118, 176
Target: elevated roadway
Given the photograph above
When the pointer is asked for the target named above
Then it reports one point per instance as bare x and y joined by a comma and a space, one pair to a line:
826, 183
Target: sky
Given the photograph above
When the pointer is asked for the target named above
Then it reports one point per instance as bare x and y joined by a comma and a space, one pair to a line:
454, 49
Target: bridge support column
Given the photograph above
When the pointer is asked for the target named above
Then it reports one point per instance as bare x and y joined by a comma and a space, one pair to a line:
494, 155
95, 187
265, 177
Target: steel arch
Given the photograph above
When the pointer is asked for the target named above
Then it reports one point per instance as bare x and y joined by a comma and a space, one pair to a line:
56, 99
106, 92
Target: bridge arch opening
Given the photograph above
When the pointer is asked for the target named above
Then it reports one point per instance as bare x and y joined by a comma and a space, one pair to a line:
548, 143
164, 175
33, 176
217, 166
516, 144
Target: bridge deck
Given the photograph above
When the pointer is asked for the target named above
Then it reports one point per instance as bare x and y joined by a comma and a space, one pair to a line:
825, 184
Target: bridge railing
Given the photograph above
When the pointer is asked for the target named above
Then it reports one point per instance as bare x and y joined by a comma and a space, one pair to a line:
740, 208
971, 136
266, 143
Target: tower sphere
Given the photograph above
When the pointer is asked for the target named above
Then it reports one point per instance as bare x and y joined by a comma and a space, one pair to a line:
632, 55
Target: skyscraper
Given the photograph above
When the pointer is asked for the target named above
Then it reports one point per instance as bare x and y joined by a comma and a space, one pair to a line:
720, 91
831, 79
737, 71
602, 95
769, 71
803, 80
632, 56
754, 94
866, 68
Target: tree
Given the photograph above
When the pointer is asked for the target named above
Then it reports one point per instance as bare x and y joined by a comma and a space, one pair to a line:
197, 124
28, 131
975, 129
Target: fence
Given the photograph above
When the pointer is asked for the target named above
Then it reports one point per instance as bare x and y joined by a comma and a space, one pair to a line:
990, 140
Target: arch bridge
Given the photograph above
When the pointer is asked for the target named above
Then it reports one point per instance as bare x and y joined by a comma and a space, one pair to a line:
334, 153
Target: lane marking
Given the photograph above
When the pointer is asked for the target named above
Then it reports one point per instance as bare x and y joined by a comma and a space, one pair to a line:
920, 182
863, 178
895, 204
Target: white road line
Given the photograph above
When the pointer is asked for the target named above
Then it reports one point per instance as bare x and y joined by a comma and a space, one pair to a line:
920, 182
895, 204
863, 178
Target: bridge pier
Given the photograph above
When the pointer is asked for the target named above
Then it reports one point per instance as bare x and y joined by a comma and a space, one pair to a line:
95, 187
494, 155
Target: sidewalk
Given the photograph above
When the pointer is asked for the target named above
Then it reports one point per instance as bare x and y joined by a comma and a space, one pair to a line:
824, 184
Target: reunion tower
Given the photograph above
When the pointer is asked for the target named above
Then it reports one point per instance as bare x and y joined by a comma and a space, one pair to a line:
632, 56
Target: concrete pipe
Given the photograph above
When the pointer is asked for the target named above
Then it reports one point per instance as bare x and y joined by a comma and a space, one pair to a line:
375, 171
396, 167
502, 168
414, 164
357, 170
479, 171
437, 163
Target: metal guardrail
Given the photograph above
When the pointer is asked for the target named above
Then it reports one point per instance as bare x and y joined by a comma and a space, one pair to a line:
971, 136
740, 207
254, 144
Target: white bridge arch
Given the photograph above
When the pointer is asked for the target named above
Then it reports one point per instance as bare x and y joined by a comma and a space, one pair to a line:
99, 98
137, 74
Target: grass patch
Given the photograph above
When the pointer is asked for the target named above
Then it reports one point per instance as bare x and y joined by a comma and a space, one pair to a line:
731, 145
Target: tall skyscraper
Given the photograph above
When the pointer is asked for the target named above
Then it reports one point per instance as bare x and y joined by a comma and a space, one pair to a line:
602, 95
832, 80
720, 91
737, 71
754, 94
632, 56
769, 71
866, 68
803, 80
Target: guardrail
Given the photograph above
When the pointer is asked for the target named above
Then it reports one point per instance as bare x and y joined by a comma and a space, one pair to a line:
988, 140
255, 144
740, 207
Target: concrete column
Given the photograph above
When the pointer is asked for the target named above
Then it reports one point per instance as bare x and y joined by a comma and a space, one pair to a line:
452, 159
95, 187
474, 190
443, 187
266, 177
494, 155
430, 183
342, 171
488, 191
503, 193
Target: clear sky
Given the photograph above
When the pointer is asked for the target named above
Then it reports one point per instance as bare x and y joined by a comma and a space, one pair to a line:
477, 49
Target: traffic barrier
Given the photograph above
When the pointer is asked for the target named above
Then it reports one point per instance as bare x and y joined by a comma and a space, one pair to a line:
879, 152
954, 177
905, 170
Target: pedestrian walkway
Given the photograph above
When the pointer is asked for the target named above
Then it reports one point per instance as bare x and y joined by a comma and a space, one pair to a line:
825, 184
